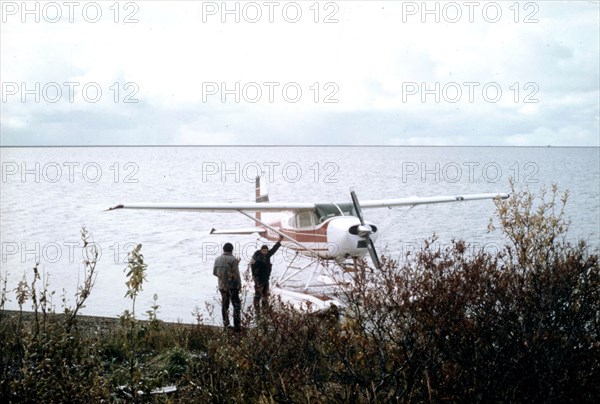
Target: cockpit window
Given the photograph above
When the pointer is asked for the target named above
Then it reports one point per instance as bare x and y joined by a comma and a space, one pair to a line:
326, 210
304, 219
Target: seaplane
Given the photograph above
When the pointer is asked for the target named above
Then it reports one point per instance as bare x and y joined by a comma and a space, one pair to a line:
330, 234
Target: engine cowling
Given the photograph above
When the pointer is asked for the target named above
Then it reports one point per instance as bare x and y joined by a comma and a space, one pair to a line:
346, 236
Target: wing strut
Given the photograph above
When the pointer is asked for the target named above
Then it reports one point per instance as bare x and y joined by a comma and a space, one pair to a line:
285, 236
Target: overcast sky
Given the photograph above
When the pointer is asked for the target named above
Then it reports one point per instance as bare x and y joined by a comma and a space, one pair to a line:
305, 72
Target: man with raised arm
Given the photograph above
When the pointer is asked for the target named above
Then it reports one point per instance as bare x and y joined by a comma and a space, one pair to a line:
261, 273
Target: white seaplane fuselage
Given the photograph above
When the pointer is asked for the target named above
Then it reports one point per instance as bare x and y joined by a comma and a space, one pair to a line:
335, 238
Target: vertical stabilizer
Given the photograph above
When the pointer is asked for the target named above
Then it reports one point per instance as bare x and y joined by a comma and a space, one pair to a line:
261, 194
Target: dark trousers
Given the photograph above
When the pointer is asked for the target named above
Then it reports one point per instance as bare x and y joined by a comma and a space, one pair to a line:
233, 296
261, 295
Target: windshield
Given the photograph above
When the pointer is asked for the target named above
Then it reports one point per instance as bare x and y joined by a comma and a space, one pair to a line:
326, 210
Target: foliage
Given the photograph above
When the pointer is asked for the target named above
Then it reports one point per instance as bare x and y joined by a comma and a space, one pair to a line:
448, 324
44, 358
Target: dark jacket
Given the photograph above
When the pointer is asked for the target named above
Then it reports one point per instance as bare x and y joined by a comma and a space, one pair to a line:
261, 269
226, 268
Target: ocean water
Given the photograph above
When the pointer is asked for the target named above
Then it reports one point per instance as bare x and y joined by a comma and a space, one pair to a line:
48, 194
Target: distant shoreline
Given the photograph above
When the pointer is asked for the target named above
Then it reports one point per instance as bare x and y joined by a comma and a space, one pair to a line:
295, 146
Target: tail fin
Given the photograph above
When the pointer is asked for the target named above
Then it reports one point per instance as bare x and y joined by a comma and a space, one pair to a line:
261, 195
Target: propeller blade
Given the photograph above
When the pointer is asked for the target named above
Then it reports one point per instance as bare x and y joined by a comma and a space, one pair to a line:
366, 235
373, 253
357, 207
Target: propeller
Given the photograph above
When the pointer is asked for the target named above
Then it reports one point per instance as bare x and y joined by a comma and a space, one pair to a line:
365, 231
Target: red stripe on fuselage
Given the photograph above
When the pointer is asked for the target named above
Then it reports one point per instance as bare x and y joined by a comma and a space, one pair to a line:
316, 235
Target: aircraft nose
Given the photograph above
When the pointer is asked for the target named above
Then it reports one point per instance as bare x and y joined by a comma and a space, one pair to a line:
343, 232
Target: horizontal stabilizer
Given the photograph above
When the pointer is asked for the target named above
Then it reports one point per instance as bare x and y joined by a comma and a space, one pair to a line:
244, 230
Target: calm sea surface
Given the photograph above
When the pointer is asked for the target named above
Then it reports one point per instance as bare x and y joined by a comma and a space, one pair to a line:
48, 194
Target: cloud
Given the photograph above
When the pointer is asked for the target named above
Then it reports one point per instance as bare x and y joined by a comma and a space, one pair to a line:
376, 73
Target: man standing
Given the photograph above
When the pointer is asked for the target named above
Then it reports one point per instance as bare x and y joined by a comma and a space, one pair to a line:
226, 268
261, 272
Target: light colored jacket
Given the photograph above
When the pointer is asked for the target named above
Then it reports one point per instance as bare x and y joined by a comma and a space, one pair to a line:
226, 268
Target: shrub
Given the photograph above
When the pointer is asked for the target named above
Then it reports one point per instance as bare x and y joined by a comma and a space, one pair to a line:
446, 324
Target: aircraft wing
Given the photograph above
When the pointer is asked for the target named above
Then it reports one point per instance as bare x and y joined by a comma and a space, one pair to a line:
299, 206
221, 207
417, 200
244, 230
